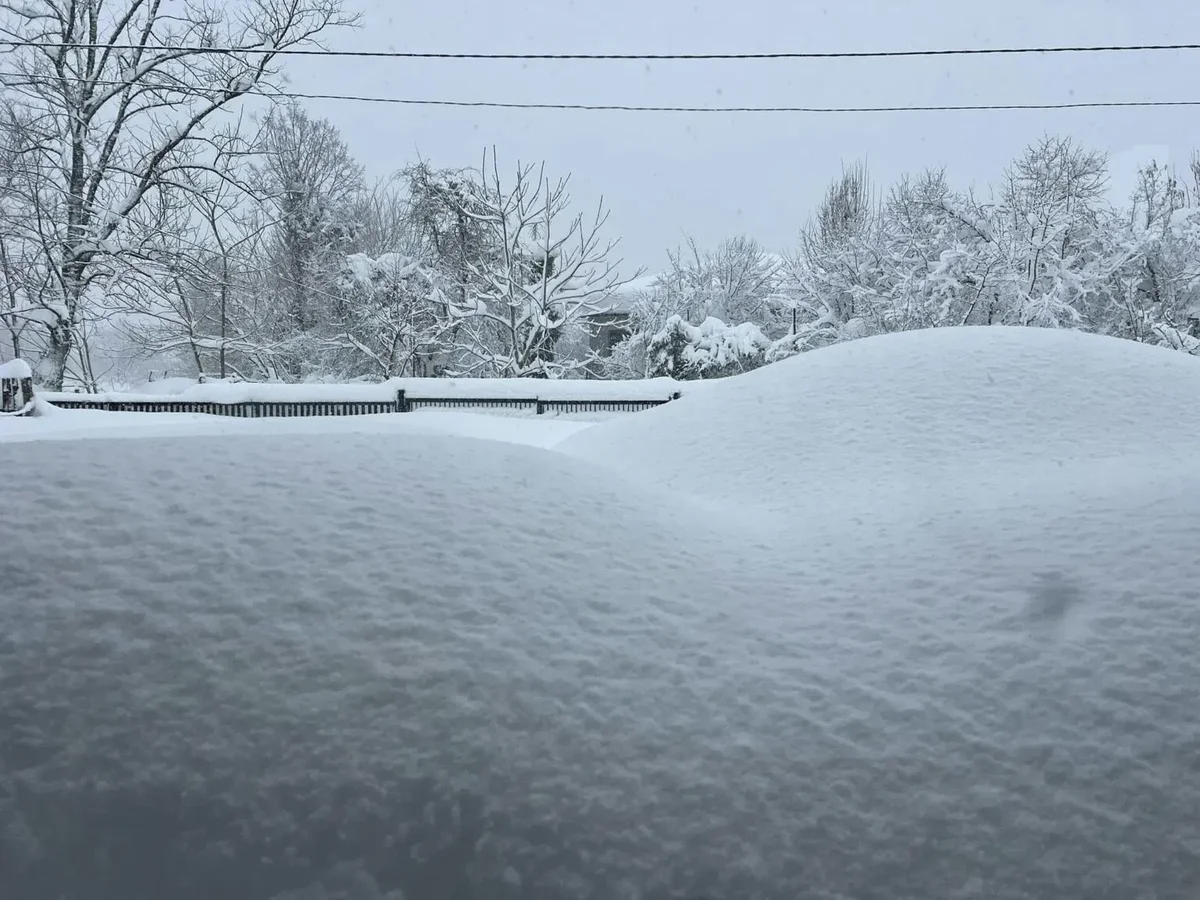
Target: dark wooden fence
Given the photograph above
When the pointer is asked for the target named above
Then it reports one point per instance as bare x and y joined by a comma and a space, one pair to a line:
402, 404
244, 410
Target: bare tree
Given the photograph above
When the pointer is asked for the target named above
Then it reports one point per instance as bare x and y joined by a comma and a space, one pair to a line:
24, 281
736, 282
314, 183
115, 101
1050, 207
847, 207
190, 295
834, 276
383, 219
546, 275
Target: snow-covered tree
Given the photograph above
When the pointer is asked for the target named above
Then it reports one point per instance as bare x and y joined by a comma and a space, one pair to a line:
548, 270
449, 225
315, 186
397, 315
735, 282
1048, 218
1038, 252
113, 100
21, 289
1154, 259
839, 278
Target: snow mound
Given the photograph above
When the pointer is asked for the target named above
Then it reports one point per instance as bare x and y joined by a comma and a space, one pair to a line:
365, 666
906, 418
15, 368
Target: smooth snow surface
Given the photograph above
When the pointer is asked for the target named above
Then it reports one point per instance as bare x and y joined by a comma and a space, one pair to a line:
61, 424
357, 666
15, 368
892, 424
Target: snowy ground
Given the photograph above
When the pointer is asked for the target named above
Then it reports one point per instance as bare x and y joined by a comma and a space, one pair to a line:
908, 618
528, 428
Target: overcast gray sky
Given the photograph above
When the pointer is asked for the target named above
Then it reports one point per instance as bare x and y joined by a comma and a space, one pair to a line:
714, 175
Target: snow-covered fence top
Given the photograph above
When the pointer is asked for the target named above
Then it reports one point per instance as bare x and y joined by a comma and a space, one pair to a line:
415, 389
398, 395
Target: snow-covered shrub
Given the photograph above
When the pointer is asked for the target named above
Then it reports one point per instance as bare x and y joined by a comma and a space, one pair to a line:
711, 349
814, 335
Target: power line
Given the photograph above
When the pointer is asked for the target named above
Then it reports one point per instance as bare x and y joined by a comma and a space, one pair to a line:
615, 107
628, 57
606, 107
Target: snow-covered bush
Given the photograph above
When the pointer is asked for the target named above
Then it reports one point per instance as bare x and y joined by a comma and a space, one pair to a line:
711, 349
814, 335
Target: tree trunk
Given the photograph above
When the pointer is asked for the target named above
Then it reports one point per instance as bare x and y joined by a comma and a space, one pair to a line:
58, 352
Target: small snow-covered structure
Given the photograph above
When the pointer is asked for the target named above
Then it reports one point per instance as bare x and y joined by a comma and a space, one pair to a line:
16, 388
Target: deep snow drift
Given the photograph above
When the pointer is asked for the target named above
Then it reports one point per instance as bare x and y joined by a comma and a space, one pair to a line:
358, 666
906, 420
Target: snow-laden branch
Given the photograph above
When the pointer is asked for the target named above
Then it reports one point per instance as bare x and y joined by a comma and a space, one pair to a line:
109, 104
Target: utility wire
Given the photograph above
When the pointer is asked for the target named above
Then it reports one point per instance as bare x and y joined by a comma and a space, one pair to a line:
640, 57
606, 107
18, 77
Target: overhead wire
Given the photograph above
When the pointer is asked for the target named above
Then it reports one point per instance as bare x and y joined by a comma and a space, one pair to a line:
663, 108
615, 107
628, 57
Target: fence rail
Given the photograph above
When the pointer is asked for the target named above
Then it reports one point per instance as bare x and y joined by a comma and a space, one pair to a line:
253, 409
239, 410
533, 403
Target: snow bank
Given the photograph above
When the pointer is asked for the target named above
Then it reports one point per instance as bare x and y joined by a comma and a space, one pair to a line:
885, 423
473, 388
15, 368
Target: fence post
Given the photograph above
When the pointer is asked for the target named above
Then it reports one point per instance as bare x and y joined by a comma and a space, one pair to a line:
401, 401
541, 407
676, 395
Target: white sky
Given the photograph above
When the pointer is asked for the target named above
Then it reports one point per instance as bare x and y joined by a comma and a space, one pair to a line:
714, 175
